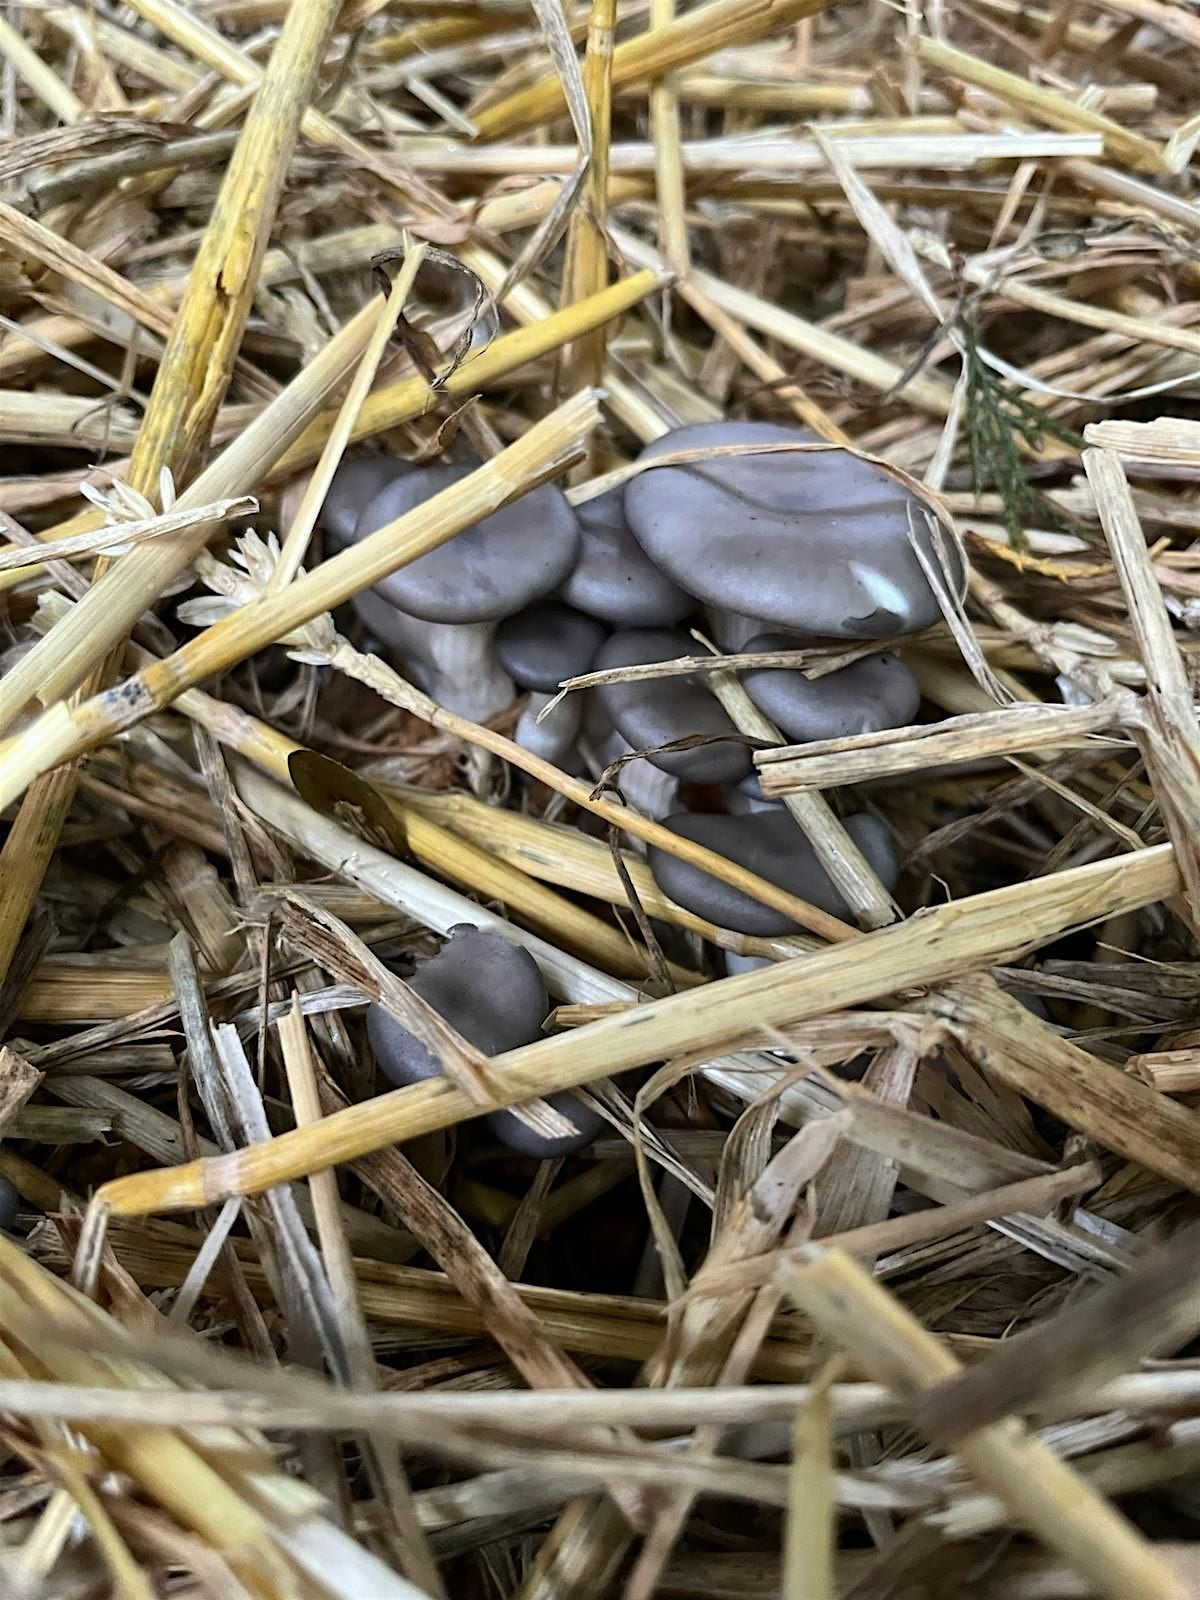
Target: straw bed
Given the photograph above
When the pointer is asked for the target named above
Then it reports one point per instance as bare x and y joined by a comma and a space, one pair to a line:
877, 1279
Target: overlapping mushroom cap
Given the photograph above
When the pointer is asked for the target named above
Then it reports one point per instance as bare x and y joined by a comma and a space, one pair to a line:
614, 579
544, 644
769, 843
816, 542
355, 484
538, 648
876, 692
657, 711
492, 993
489, 570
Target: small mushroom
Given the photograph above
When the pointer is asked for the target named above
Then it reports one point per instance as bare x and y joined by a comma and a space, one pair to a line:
614, 579
877, 692
445, 662
770, 844
538, 648
492, 993
655, 711
450, 599
813, 542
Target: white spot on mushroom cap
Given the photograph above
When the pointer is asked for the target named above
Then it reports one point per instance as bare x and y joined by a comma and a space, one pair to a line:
886, 594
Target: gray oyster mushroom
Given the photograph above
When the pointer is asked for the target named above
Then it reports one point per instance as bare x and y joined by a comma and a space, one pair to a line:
877, 692
492, 993
614, 579
655, 711
770, 844
812, 542
449, 600
538, 648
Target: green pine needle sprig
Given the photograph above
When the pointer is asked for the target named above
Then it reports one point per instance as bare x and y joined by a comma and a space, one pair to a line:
999, 420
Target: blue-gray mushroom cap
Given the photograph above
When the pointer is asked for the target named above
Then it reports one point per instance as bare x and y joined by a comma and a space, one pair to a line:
492, 993
492, 568
877, 692
355, 484
614, 579
814, 542
655, 711
770, 844
544, 644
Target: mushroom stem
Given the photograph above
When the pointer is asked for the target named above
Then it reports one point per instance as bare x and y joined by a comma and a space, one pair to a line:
730, 630
464, 676
555, 734
454, 660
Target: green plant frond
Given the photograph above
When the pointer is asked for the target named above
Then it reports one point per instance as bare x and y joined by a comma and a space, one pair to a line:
999, 421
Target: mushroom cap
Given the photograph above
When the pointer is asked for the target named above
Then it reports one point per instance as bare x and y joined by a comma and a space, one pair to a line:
817, 543
769, 843
544, 644
877, 692
492, 993
489, 570
355, 484
614, 579
658, 710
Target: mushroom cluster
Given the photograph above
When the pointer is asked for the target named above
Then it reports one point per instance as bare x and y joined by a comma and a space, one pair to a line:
766, 548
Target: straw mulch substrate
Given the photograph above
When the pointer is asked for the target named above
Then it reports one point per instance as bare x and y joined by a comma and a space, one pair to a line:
879, 1278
